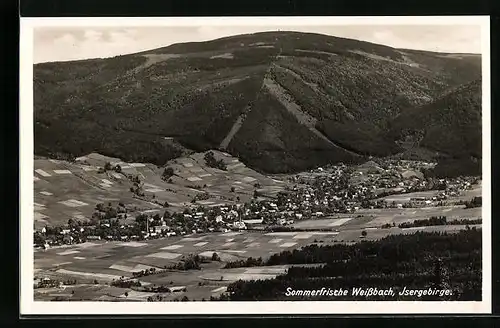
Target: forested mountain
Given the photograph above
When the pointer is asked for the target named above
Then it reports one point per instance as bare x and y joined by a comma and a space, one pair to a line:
280, 101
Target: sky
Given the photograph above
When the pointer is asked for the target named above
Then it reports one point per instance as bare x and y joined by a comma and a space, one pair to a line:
73, 43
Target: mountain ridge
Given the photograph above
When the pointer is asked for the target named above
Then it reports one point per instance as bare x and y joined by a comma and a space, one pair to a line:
334, 97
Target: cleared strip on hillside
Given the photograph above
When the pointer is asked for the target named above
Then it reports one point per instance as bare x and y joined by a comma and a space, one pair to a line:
234, 129
303, 118
314, 86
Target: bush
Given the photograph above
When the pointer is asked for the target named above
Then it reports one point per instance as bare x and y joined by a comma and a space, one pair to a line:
167, 173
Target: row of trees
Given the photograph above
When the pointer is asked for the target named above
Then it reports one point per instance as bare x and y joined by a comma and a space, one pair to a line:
121, 283
249, 262
438, 221
108, 167
211, 161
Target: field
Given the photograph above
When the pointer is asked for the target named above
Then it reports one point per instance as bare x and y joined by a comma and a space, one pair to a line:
65, 190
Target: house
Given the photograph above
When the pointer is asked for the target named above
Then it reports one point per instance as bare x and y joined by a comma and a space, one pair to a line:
253, 221
233, 214
65, 231
159, 229
93, 237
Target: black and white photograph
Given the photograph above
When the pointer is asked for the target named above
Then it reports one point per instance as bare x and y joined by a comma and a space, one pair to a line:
245, 165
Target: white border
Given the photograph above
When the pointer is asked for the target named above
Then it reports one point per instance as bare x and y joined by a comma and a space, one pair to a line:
29, 307
254, 21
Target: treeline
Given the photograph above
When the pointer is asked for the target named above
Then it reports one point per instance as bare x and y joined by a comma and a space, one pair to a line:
438, 221
451, 168
475, 202
249, 262
418, 261
121, 283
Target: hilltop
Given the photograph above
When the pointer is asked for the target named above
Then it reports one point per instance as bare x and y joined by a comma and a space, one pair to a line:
279, 101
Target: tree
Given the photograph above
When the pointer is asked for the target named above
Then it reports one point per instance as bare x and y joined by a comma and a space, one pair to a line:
232, 189
107, 166
118, 168
215, 257
126, 294
209, 158
212, 162
363, 233
167, 173
255, 194
39, 239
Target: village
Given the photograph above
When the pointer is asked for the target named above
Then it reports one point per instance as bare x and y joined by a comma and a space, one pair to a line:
318, 194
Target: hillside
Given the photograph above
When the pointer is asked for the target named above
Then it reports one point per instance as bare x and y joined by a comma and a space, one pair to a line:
280, 101
449, 126
65, 189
